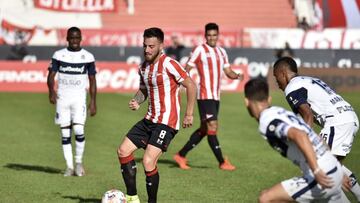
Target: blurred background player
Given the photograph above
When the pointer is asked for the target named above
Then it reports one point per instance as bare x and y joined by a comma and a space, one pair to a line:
314, 99
175, 49
160, 80
75, 67
209, 60
295, 140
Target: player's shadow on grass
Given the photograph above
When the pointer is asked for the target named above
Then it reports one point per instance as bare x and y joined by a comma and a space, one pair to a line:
172, 163
83, 200
22, 167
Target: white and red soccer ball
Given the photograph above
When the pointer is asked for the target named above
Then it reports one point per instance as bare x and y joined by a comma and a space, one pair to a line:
113, 196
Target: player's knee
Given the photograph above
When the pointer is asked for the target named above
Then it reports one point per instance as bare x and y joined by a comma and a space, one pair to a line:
149, 163
122, 152
264, 197
65, 136
66, 132
78, 129
212, 126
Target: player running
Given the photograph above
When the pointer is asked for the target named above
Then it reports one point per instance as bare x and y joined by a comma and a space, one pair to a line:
316, 102
210, 60
295, 140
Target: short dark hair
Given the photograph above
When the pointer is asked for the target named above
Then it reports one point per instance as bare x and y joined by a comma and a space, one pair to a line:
257, 89
154, 32
211, 26
73, 29
287, 62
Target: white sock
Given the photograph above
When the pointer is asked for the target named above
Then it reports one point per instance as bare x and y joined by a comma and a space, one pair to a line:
67, 149
355, 189
80, 143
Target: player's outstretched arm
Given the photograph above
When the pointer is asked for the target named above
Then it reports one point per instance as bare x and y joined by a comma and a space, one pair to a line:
232, 75
92, 90
306, 114
300, 138
51, 87
139, 98
190, 86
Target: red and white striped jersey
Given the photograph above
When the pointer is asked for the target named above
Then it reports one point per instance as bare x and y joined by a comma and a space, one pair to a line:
209, 62
162, 81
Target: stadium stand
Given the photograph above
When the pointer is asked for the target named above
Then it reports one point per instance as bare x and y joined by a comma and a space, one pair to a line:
188, 14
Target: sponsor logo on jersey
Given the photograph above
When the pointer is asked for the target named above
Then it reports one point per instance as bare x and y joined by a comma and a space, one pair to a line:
72, 69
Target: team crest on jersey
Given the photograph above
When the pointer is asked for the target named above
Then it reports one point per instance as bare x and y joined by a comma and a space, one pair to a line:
83, 57
272, 128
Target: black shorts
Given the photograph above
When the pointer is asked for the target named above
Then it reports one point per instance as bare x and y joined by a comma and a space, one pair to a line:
208, 109
146, 132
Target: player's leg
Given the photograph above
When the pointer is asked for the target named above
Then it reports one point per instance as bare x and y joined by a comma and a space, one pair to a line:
67, 150
79, 148
136, 138
340, 139
78, 116
352, 180
212, 111
161, 136
276, 193
150, 159
63, 118
194, 140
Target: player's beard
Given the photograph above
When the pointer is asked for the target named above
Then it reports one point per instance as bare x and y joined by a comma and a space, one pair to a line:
150, 58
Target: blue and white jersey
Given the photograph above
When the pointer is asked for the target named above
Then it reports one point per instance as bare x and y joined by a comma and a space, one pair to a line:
327, 106
73, 68
274, 125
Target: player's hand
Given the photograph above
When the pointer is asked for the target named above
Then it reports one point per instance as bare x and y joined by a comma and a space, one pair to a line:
188, 121
92, 108
324, 180
240, 75
346, 184
52, 97
134, 105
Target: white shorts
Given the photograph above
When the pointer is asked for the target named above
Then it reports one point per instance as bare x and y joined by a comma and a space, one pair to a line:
305, 188
70, 110
340, 137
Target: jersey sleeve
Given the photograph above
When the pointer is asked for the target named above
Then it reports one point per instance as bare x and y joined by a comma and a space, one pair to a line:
91, 68
277, 128
177, 71
226, 58
54, 64
296, 98
194, 56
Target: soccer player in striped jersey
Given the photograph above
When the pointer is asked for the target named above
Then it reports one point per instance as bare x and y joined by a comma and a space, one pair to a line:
210, 60
76, 69
288, 134
160, 80
316, 102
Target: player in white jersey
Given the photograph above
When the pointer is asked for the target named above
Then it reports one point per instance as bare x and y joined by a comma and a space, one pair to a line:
296, 141
316, 102
210, 60
75, 68
160, 80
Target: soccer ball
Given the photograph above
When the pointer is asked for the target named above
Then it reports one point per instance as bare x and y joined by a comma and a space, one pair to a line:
113, 196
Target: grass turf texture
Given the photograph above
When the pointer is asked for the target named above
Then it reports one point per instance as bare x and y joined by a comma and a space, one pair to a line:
31, 160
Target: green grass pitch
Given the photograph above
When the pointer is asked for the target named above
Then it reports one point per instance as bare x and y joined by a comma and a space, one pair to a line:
31, 160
